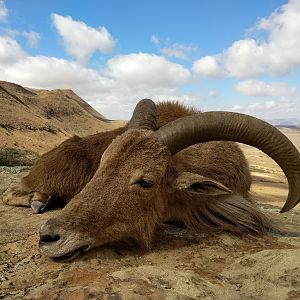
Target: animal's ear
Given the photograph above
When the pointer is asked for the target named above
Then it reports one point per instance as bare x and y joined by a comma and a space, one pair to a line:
195, 183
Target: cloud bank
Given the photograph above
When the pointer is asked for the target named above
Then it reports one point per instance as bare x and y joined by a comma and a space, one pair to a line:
277, 55
113, 90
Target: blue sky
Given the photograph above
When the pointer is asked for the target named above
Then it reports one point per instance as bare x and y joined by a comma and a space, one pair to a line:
215, 55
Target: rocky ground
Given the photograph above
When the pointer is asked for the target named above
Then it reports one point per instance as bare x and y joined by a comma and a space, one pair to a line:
181, 265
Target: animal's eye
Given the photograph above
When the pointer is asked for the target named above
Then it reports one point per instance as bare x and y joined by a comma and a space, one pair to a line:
145, 183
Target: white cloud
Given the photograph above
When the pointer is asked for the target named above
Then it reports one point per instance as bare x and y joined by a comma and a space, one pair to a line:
11, 32
212, 93
154, 39
32, 38
3, 11
207, 66
283, 47
147, 70
81, 40
10, 51
236, 107
56, 73
262, 105
258, 88
245, 58
287, 107
177, 51
279, 54
275, 107
114, 91
283, 99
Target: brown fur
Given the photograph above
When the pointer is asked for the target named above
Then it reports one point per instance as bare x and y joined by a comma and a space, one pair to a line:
172, 110
64, 171
205, 186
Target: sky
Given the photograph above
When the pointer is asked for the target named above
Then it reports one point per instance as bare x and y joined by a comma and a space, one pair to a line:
229, 55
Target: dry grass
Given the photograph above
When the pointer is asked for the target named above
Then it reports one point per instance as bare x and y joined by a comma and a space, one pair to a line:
11, 157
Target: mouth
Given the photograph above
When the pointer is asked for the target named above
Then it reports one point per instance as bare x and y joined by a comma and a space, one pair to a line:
71, 255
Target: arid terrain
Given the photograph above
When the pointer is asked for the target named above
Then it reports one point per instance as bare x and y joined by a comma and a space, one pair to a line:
38, 120
181, 264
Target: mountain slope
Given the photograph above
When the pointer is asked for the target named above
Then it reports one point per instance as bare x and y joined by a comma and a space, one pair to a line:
37, 120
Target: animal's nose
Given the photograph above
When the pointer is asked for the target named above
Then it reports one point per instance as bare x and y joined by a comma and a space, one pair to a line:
48, 237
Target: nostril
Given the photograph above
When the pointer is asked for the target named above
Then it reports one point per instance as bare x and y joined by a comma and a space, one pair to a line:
49, 238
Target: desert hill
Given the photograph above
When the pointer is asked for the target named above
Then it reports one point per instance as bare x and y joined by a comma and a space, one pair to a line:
37, 120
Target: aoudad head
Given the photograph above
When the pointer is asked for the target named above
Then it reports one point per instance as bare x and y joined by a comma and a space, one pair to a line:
129, 193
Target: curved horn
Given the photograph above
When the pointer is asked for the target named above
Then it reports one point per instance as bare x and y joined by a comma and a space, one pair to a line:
216, 126
144, 115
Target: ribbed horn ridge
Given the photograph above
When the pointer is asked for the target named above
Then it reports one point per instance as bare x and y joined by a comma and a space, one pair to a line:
229, 126
144, 115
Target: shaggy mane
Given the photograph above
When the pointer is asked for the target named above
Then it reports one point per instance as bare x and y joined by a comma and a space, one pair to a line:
234, 214
172, 110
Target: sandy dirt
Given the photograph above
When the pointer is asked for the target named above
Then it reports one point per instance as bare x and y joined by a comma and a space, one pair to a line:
181, 264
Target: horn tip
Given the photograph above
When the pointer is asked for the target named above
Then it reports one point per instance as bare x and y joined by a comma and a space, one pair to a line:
289, 205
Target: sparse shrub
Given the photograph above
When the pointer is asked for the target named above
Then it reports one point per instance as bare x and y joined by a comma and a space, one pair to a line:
6, 126
15, 157
50, 112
